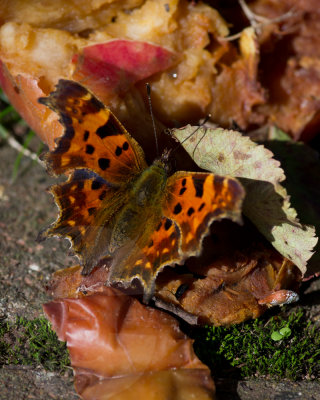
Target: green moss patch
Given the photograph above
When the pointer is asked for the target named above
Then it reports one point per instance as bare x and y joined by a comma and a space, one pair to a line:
277, 347
32, 343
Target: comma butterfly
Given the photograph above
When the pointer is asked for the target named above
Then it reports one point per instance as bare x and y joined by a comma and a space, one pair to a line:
113, 204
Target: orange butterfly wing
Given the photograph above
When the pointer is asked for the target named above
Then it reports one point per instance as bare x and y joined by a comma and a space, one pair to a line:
94, 138
193, 200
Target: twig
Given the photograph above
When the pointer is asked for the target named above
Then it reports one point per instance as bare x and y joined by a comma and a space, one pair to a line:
26, 152
12, 142
257, 21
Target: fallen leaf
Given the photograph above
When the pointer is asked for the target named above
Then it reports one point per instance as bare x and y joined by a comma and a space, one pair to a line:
121, 349
226, 152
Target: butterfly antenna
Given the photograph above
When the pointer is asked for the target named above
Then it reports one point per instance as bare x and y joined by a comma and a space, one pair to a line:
152, 117
196, 146
192, 133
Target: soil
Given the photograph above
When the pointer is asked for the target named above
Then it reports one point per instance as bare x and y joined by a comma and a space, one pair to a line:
26, 266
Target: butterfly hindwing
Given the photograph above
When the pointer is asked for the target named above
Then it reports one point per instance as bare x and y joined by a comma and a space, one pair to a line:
194, 199
148, 256
93, 138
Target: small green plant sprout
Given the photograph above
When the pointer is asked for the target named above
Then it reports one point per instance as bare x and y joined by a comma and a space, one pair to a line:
283, 333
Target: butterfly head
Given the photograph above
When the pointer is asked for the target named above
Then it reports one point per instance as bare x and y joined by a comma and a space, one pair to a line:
163, 161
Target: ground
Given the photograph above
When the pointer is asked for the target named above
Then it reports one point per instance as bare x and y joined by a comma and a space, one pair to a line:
26, 266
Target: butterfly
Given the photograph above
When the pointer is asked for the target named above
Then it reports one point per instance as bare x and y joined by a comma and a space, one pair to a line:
114, 205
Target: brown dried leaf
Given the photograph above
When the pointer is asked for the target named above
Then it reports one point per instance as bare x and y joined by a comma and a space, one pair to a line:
116, 343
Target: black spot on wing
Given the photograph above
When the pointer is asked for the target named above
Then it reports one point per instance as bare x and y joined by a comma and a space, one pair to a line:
198, 185
89, 149
104, 163
86, 135
110, 128
201, 206
177, 209
190, 211
167, 224
125, 146
182, 190
95, 185
118, 151
102, 131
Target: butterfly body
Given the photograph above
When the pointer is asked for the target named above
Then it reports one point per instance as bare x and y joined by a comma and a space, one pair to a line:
113, 204
144, 203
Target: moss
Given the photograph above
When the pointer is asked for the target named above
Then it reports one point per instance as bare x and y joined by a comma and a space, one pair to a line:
278, 348
32, 343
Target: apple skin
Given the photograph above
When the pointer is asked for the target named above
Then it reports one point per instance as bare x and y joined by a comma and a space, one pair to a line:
112, 68
23, 92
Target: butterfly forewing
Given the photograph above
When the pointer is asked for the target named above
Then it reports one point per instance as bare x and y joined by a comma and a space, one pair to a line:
194, 199
93, 138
